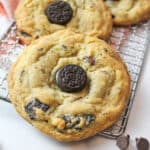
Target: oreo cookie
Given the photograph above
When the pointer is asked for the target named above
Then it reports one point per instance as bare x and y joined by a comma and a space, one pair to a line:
71, 78
73, 122
35, 103
59, 12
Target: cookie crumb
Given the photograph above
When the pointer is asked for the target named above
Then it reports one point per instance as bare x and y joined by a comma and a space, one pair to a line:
90, 60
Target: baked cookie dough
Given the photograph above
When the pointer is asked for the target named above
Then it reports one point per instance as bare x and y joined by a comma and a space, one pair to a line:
69, 86
128, 12
35, 18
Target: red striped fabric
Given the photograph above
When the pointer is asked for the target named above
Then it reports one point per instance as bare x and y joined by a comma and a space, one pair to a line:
2, 10
7, 7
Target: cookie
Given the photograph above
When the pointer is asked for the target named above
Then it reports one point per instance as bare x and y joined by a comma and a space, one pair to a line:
69, 86
37, 18
128, 12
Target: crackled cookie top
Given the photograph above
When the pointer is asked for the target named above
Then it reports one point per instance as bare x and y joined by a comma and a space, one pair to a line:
127, 12
35, 18
69, 85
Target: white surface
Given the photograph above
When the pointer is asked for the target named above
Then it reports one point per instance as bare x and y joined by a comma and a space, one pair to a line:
16, 134
4, 25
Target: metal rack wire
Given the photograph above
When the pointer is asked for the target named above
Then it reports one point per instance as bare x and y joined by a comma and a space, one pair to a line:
131, 43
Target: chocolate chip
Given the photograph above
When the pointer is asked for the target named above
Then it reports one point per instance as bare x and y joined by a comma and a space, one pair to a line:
71, 78
59, 12
64, 47
90, 60
25, 34
111, 0
29, 108
142, 144
113, 16
106, 50
21, 75
123, 142
40, 49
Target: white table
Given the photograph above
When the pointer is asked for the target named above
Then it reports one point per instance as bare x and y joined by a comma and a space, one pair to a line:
16, 134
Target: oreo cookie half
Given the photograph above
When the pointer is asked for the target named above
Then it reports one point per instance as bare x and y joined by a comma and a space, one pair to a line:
35, 103
71, 78
59, 12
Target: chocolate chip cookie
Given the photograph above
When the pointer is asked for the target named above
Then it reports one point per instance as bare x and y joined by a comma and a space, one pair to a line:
37, 18
128, 12
69, 86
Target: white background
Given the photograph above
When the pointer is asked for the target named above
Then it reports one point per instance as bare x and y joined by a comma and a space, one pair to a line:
16, 134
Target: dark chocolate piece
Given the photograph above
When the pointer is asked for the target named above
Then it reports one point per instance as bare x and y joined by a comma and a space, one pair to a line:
21, 75
113, 16
90, 60
123, 142
25, 34
142, 144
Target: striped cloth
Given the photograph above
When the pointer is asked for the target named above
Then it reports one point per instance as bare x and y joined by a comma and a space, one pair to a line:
7, 7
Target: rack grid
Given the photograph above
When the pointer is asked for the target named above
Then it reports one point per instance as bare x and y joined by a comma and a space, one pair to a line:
130, 42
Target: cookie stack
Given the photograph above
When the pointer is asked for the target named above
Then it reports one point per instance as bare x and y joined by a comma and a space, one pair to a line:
68, 82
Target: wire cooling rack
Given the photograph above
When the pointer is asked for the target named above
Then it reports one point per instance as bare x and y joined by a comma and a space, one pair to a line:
130, 42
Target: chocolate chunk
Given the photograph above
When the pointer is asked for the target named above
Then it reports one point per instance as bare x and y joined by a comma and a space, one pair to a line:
21, 75
25, 34
71, 78
142, 144
111, 0
35, 104
113, 16
123, 142
64, 47
59, 12
73, 121
90, 60
106, 50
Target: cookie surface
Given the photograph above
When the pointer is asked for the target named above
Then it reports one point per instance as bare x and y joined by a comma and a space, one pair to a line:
128, 12
37, 18
69, 116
